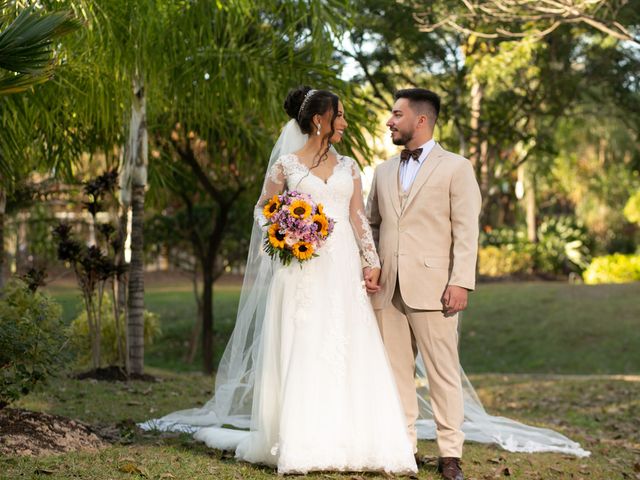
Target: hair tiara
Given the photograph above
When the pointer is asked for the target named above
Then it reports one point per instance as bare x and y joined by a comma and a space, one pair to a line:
307, 96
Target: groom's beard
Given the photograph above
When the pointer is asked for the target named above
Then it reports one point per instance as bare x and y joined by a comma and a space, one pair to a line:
403, 139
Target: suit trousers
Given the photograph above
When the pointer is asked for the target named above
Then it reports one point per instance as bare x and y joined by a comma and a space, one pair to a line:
405, 331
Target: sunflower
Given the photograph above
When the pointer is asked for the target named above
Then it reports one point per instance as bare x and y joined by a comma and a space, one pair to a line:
276, 239
322, 223
300, 209
271, 207
303, 250
320, 209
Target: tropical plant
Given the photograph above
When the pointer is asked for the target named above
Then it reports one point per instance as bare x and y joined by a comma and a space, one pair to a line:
27, 39
112, 335
27, 36
31, 340
95, 266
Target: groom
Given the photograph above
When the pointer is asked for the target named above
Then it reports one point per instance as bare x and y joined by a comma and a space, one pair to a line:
423, 209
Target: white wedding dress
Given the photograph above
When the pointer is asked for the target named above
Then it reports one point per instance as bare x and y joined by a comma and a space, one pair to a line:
325, 398
304, 383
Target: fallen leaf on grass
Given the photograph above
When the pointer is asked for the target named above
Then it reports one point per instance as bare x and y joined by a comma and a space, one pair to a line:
502, 472
133, 468
167, 475
44, 471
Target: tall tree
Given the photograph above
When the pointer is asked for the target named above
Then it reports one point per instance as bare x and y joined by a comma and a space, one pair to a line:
26, 59
228, 87
504, 92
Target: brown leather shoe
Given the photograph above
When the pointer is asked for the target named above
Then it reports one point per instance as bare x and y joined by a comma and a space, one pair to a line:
449, 468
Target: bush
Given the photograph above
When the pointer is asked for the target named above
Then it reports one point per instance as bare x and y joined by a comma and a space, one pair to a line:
632, 208
564, 246
503, 261
616, 268
78, 333
31, 340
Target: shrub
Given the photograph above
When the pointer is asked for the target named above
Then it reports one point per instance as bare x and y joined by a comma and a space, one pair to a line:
110, 335
632, 208
564, 246
616, 268
31, 340
503, 261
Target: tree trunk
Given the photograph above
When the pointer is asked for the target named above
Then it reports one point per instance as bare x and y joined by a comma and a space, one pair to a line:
135, 310
207, 318
209, 276
530, 202
21, 219
479, 148
3, 207
120, 289
197, 327
133, 181
530, 206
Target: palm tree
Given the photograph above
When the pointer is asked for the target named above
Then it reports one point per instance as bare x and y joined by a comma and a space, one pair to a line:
26, 45
26, 59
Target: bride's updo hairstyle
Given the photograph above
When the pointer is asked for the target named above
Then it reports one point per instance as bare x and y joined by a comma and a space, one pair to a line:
303, 102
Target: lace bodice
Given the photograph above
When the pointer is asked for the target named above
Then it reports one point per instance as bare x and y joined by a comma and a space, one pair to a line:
341, 196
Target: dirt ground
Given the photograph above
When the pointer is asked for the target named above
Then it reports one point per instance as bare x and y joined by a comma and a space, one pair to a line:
23, 432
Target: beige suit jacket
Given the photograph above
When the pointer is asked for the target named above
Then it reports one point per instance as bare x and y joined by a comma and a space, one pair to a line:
433, 241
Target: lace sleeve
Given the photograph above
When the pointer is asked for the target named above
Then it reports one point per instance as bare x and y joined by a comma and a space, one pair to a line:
273, 185
359, 222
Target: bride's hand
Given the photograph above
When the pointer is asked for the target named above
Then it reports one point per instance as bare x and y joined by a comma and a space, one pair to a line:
371, 279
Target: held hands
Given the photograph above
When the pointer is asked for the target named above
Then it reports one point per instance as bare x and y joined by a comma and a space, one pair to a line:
454, 299
371, 279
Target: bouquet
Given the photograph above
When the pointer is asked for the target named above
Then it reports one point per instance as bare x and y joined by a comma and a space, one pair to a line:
296, 227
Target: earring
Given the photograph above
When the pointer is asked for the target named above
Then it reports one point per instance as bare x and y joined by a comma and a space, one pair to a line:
318, 132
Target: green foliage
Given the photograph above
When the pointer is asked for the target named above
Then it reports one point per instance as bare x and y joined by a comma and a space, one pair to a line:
505, 65
616, 268
26, 45
41, 220
594, 174
514, 238
111, 334
31, 339
563, 246
504, 261
632, 208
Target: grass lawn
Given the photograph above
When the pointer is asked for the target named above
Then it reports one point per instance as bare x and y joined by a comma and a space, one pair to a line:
603, 413
508, 327
516, 340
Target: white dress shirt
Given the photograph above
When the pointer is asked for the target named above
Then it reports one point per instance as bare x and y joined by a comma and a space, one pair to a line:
410, 168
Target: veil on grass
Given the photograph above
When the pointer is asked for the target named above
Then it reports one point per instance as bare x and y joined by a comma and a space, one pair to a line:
232, 401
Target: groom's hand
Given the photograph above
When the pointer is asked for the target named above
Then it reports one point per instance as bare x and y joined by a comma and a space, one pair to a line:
371, 278
454, 299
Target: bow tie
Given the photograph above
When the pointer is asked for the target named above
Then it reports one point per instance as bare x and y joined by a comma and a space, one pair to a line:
406, 154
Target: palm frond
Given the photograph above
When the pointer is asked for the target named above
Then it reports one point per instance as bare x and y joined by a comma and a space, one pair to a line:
26, 43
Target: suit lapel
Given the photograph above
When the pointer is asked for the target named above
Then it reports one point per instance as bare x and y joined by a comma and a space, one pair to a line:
392, 181
428, 166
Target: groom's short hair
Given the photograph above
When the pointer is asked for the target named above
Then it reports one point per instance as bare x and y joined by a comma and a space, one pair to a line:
422, 101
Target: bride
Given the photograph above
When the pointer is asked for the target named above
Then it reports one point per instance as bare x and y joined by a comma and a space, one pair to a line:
304, 383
